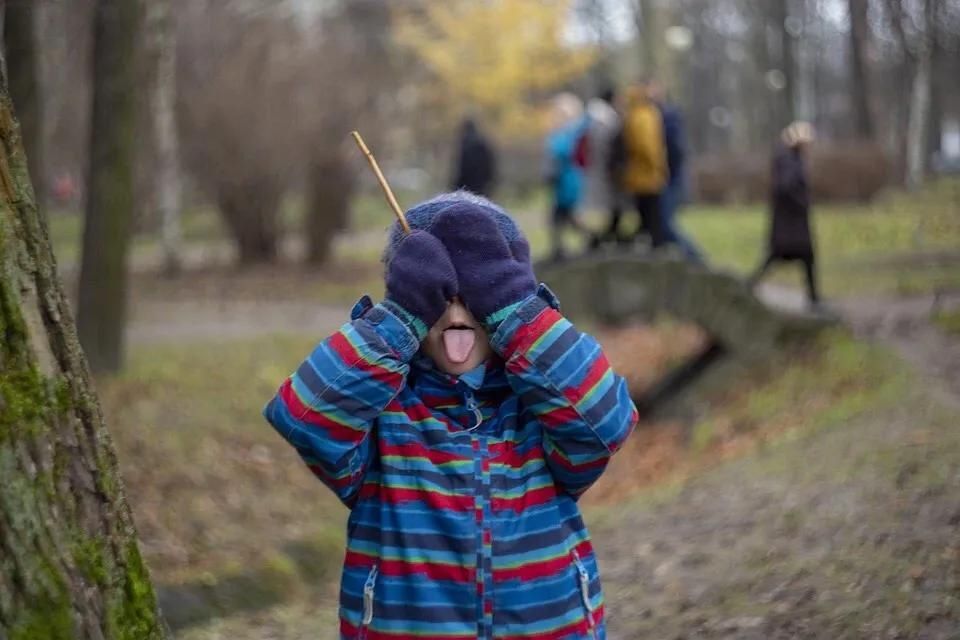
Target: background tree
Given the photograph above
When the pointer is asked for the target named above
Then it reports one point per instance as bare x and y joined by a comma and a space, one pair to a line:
354, 53
23, 72
503, 83
243, 116
167, 182
102, 300
913, 25
859, 73
71, 566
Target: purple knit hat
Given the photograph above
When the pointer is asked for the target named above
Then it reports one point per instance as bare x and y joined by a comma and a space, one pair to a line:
421, 216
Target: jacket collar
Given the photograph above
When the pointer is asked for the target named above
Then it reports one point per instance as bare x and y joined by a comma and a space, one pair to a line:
488, 380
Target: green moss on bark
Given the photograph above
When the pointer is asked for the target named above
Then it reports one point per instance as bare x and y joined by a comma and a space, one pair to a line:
50, 619
135, 616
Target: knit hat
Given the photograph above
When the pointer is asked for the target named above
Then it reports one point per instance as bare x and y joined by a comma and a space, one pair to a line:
421, 216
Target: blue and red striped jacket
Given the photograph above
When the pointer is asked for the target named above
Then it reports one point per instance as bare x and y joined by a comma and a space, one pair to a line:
464, 521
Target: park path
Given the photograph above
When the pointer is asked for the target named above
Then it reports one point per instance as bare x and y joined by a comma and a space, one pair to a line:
851, 531
902, 323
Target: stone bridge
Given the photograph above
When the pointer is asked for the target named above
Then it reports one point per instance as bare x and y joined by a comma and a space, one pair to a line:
743, 332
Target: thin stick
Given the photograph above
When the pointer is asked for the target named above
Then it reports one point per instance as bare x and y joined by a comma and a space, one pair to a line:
387, 192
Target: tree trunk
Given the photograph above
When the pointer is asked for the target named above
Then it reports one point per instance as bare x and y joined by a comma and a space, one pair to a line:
249, 208
645, 17
168, 185
101, 311
779, 20
70, 566
23, 74
919, 118
331, 185
859, 76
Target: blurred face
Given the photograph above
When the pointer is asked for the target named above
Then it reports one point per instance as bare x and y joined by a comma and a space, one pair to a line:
457, 343
654, 91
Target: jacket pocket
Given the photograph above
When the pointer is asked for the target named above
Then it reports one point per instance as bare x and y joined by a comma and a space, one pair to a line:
583, 582
369, 588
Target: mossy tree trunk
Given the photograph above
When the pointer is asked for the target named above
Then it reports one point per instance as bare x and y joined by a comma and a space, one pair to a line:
70, 566
101, 311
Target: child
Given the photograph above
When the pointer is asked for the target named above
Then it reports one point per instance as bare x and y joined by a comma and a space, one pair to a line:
459, 420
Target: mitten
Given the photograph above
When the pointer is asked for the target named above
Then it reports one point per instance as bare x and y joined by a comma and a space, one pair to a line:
420, 280
493, 274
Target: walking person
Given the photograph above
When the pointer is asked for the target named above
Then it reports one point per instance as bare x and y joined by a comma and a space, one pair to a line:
675, 191
566, 158
790, 237
476, 163
603, 185
645, 172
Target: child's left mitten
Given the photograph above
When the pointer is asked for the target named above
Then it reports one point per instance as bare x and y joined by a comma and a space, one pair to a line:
493, 274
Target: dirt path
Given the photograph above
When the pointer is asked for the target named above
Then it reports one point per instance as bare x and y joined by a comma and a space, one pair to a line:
850, 532
904, 324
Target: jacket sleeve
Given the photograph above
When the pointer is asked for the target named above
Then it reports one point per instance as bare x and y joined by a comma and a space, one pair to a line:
564, 379
327, 407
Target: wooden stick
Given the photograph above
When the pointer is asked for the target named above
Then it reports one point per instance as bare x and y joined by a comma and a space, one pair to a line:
387, 192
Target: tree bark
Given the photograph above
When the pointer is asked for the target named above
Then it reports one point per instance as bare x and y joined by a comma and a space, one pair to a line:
250, 209
859, 76
779, 20
331, 185
645, 17
23, 76
101, 314
70, 565
919, 118
168, 187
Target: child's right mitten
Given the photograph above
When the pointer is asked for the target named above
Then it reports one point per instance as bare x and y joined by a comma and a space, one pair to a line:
420, 281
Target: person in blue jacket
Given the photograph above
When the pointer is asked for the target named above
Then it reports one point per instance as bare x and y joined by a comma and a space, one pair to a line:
566, 155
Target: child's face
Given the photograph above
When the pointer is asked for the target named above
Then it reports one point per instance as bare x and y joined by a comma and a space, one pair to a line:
457, 343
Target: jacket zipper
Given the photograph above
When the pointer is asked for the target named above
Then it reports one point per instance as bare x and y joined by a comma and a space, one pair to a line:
368, 589
584, 579
477, 414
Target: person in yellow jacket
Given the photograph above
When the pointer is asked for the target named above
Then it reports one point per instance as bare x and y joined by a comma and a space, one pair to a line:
642, 162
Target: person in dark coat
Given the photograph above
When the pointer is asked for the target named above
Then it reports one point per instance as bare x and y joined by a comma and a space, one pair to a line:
476, 168
790, 237
674, 192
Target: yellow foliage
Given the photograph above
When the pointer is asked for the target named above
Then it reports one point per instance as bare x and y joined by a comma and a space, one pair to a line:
497, 58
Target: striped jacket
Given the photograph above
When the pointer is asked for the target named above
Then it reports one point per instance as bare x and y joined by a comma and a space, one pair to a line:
462, 491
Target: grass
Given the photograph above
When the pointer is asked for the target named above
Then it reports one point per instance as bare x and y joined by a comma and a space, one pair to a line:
828, 382
203, 467
948, 321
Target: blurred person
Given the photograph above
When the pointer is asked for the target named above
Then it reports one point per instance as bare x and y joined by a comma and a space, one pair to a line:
603, 187
566, 156
476, 164
459, 420
644, 172
675, 190
790, 238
